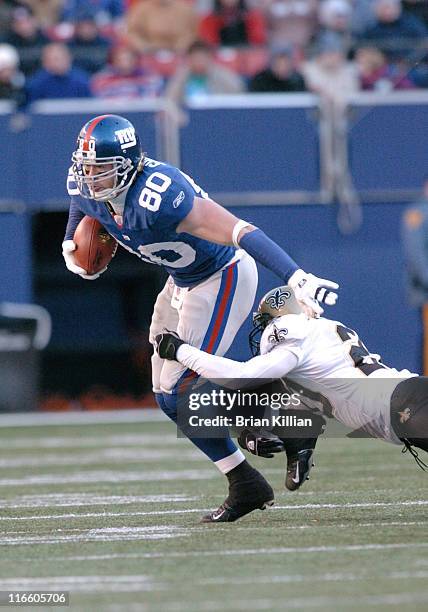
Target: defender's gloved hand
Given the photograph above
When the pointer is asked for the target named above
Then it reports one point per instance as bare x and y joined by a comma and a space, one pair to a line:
167, 344
310, 290
68, 246
259, 445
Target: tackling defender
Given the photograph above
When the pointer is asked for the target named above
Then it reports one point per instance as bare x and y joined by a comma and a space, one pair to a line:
330, 366
159, 213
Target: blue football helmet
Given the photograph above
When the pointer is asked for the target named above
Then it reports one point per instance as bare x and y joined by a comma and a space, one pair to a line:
108, 152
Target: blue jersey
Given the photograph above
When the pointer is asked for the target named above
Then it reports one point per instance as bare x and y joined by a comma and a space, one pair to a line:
158, 200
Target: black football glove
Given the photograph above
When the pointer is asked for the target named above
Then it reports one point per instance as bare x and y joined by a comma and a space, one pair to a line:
167, 344
259, 445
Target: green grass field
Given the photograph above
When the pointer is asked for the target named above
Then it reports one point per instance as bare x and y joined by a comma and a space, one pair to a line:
111, 514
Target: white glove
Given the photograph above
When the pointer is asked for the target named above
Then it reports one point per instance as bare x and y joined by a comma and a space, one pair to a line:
68, 246
310, 290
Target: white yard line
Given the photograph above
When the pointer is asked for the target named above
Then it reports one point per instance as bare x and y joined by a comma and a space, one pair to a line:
120, 476
104, 534
41, 419
418, 502
292, 578
200, 510
296, 603
79, 498
89, 499
242, 552
104, 515
142, 533
109, 476
136, 583
143, 439
84, 584
106, 455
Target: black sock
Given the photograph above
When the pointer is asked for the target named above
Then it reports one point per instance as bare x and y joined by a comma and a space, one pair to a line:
243, 471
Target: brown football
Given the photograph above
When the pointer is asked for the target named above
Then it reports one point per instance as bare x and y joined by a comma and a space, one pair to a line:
94, 245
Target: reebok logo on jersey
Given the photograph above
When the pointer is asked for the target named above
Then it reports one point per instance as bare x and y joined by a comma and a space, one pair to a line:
126, 138
178, 199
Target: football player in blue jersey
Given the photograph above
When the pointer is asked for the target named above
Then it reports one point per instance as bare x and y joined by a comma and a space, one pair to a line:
161, 215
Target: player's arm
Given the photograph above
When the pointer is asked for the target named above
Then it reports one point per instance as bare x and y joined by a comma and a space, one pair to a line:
75, 215
210, 221
276, 364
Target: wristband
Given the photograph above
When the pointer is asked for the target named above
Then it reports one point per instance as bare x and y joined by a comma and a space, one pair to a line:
268, 253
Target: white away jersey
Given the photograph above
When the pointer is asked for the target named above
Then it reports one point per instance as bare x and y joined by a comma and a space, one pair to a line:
333, 361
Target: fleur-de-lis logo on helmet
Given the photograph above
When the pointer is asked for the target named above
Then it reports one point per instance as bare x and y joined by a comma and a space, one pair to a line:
275, 303
277, 299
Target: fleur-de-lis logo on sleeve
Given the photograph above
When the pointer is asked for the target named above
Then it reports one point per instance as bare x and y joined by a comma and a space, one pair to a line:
278, 335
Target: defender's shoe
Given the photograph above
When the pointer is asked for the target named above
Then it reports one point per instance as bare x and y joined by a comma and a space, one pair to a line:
298, 467
244, 497
300, 453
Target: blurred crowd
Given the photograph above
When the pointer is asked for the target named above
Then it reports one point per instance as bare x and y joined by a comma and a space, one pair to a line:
190, 48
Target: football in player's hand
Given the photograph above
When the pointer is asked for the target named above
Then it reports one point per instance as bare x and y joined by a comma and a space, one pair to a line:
94, 245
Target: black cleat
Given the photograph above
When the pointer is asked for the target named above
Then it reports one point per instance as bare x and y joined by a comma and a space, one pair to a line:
243, 498
298, 468
300, 453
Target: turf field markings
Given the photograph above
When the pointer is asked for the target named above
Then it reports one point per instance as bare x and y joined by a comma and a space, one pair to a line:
41, 419
193, 510
99, 515
292, 578
103, 534
201, 510
351, 548
302, 603
419, 502
93, 499
119, 476
49, 500
129, 476
84, 583
80, 515
87, 441
108, 455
